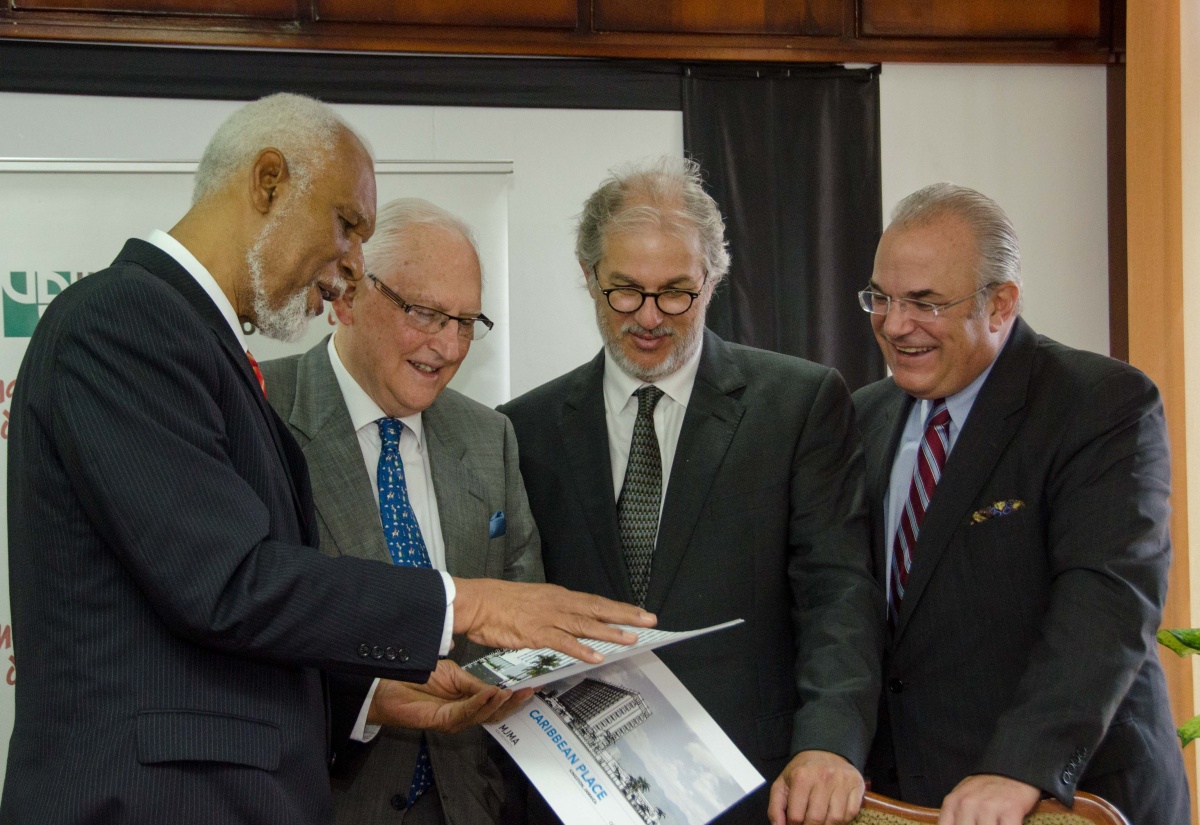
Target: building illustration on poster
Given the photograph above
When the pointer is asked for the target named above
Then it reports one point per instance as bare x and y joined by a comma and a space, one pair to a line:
600, 713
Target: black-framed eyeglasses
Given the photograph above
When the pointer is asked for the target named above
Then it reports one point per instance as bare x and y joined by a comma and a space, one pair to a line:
627, 300
877, 303
430, 320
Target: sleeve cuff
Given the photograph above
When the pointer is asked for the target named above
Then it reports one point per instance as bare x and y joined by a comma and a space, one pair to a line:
362, 731
448, 627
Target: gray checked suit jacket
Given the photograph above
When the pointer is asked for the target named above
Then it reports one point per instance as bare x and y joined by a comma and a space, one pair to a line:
473, 455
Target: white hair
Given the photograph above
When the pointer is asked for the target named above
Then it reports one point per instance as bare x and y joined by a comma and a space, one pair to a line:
395, 217
995, 237
304, 130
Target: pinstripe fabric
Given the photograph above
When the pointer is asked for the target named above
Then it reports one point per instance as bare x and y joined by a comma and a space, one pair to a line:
168, 616
473, 458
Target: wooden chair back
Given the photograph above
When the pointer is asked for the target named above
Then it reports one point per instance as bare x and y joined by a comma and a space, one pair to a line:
1088, 810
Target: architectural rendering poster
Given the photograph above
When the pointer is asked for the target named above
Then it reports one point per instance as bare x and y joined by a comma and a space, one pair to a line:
626, 744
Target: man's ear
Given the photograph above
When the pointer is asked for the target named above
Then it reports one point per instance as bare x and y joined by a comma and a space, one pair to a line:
588, 278
343, 307
1003, 305
268, 177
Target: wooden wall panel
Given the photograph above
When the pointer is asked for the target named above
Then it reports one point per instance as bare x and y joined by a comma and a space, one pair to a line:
795, 17
255, 9
560, 14
982, 18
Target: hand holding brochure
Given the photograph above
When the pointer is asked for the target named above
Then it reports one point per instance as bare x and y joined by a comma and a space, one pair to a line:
534, 667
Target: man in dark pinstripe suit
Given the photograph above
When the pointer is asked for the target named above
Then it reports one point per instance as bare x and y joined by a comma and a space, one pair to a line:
172, 619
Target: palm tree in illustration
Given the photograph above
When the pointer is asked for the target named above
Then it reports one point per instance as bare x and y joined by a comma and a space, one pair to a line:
544, 663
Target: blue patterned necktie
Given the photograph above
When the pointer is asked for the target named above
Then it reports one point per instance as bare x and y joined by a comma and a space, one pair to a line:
406, 546
641, 495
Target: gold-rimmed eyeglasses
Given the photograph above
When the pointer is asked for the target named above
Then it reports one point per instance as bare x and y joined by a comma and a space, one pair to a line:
428, 319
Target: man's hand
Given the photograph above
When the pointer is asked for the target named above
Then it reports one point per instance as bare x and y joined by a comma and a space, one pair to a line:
816, 788
497, 613
988, 799
452, 700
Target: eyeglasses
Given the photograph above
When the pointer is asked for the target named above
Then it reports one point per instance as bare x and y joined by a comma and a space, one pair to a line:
877, 303
627, 300
430, 320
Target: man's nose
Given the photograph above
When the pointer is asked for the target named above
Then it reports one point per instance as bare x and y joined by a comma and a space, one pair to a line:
352, 263
448, 342
649, 316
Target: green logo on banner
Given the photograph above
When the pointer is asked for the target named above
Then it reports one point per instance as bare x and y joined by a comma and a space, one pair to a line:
26, 296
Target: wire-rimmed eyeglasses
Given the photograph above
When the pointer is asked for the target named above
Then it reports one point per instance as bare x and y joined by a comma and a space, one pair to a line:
430, 320
877, 303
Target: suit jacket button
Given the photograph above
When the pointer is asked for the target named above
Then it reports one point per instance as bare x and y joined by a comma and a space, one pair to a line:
399, 802
389, 653
896, 685
401, 655
1067, 776
377, 652
364, 650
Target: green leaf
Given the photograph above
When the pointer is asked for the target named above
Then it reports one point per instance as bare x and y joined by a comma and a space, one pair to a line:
1183, 641
1189, 731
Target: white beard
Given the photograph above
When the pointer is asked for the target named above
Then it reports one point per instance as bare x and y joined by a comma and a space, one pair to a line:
684, 348
288, 322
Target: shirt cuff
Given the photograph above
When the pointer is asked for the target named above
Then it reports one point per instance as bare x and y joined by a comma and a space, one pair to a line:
448, 627
363, 732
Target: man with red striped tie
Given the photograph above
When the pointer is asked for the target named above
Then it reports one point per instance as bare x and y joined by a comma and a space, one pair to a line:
1019, 497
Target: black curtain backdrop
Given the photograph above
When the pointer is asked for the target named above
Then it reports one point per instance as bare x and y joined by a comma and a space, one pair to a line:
792, 157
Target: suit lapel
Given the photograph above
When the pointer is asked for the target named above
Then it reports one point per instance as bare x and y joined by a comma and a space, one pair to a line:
457, 491
585, 442
882, 441
990, 426
160, 264
336, 460
709, 425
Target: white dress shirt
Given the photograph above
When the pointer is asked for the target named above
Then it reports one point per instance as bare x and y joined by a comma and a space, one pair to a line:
620, 411
202, 276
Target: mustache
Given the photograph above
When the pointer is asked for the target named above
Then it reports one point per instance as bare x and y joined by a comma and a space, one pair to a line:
658, 332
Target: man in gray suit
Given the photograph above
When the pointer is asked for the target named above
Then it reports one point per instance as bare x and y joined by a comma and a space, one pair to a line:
709, 481
1020, 493
390, 359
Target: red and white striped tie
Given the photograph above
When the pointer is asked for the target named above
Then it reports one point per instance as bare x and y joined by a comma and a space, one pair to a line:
931, 457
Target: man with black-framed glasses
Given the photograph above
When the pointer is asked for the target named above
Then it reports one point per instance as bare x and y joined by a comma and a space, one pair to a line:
1019, 493
389, 445
710, 481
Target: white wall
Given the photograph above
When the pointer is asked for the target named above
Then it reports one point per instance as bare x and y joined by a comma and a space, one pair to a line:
1034, 139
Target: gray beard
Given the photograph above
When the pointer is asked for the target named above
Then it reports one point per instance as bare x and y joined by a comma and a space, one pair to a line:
287, 323
685, 348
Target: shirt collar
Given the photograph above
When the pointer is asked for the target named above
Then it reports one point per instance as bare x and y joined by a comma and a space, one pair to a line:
202, 276
620, 385
961, 402
362, 408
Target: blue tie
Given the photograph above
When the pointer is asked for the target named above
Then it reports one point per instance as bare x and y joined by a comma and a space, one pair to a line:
404, 542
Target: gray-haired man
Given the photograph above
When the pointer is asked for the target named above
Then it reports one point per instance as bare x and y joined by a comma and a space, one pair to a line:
710, 481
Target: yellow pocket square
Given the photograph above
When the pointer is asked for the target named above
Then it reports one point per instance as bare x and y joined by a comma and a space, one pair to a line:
997, 508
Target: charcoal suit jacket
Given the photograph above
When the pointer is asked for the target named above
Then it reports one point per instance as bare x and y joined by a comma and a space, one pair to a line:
171, 615
763, 520
473, 458
1025, 641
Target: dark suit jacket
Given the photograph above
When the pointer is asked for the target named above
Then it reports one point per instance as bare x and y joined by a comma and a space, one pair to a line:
170, 612
763, 520
1025, 644
473, 459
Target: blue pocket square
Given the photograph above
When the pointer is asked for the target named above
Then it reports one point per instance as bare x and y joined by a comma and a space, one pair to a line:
999, 508
497, 525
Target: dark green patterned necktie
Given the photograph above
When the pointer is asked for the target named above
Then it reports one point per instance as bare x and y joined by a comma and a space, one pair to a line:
641, 494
